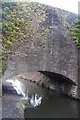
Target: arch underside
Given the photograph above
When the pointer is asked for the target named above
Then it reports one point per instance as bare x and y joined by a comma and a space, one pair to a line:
57, 77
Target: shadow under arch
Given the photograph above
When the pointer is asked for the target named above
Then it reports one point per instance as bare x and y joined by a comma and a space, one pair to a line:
58, 77
62, 85
59, 80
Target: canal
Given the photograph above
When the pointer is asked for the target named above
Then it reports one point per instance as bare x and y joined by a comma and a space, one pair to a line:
33, 101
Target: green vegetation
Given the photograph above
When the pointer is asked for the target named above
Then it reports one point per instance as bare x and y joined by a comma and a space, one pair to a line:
18, 20
4, 66
76, 33
18, 26
75, 28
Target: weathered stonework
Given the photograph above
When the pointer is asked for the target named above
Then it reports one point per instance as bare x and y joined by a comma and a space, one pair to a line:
57, 53
79, 73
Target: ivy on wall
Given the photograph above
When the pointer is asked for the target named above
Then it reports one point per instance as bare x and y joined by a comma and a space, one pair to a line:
19, 24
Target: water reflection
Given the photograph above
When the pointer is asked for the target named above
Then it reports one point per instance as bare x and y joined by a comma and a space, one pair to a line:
18, 86
33, 101
37, 102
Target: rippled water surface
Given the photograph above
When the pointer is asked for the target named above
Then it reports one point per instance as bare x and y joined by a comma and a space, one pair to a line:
50, 105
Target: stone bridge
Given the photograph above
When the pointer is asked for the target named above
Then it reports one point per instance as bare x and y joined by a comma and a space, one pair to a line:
54, 51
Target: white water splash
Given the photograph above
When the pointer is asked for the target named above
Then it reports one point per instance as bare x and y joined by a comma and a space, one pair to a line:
18, 86
34, 100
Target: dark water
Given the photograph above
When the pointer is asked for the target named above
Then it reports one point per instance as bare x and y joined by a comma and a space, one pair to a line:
52, 106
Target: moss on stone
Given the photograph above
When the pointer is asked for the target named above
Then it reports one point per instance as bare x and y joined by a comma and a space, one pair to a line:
18, 25
75, 29
76, 33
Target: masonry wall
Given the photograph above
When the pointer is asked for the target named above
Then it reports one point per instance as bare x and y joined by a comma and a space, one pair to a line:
54, 51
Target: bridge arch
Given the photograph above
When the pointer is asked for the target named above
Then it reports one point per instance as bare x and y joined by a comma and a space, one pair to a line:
57, 77
54, 54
